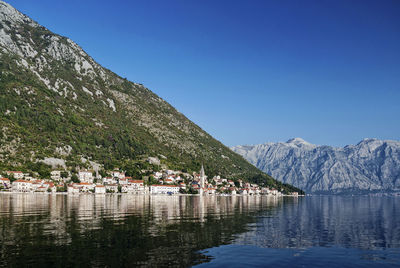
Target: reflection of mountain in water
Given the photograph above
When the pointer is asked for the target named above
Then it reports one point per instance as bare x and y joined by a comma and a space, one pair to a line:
108, 230
351, 222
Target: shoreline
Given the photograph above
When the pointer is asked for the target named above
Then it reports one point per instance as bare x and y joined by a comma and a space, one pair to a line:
100, 194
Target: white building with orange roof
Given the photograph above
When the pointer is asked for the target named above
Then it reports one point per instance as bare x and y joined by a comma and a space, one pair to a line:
72, 189
137, 183
100, 189
109, 180
84, 186
21, 186
35, 184
86, 176
41, 189
49, 185
133, 187
16, 174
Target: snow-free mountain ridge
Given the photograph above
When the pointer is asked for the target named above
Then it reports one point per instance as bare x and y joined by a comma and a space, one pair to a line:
372, 165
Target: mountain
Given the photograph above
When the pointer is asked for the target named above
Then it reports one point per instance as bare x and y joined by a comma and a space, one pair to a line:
58, 103
370, 166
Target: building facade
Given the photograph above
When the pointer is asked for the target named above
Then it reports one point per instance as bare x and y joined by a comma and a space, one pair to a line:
164, 189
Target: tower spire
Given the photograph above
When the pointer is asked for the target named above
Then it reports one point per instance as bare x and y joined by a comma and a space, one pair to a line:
202, 174
202, 180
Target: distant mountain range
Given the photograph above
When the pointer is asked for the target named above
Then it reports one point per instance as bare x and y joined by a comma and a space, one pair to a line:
56, 102
370, 166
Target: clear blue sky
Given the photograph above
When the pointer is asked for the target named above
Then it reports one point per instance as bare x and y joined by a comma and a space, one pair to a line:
250, 71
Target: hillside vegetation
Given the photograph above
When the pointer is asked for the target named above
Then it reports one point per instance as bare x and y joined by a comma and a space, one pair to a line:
56, 101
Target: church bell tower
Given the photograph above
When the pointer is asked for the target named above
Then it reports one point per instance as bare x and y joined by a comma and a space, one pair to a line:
202, 180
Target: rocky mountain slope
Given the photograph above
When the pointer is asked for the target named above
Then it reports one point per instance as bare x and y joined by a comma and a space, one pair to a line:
57, 102
371, 165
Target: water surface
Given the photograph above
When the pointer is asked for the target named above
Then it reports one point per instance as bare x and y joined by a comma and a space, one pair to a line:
322, 231
138, 230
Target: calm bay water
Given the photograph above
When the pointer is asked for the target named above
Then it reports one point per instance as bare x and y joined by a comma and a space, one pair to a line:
128, 230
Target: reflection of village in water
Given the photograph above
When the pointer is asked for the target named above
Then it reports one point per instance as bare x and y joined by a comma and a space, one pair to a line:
282, 222
100, 230
163, 209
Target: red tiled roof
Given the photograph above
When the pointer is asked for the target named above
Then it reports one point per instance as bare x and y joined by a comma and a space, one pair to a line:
22, 181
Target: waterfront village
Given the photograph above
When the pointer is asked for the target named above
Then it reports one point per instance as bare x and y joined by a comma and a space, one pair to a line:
166, 182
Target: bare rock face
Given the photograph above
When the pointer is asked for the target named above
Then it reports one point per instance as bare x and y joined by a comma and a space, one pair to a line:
371, 165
